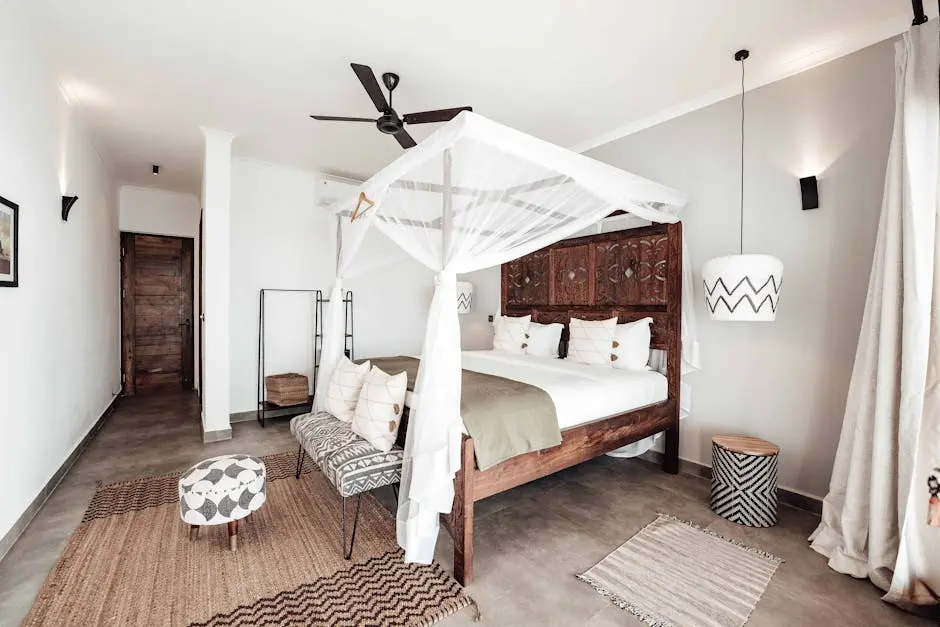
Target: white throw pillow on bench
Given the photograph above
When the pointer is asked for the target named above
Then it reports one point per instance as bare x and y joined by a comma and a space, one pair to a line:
342, 394
381, 404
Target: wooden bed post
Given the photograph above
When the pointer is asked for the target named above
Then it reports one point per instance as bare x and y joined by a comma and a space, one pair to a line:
674, 345
461, 516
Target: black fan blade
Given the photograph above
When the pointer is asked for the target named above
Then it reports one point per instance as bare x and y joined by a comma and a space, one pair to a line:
333, 118
367, 78
440, 115
405, 139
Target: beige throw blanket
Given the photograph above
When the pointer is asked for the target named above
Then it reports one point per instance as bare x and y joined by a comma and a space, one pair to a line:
505, 418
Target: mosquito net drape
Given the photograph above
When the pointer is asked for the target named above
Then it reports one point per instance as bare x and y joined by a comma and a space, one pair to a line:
473, 195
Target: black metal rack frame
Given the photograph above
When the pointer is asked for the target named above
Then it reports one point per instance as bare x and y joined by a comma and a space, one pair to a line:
267, 410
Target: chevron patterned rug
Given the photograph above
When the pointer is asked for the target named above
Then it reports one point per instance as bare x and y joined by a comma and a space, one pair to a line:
130, 562
674, 574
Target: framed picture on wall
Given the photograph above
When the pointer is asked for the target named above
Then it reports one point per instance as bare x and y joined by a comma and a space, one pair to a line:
9, 243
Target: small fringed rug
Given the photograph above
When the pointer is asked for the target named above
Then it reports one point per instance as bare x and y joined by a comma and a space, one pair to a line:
131, 562
673, 573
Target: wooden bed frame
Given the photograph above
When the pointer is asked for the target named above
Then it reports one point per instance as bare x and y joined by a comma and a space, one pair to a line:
630, 274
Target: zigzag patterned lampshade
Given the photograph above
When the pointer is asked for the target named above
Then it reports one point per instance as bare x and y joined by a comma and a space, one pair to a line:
464, 296
743, 287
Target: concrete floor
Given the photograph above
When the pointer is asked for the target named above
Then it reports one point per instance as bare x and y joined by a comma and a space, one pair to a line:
530, 542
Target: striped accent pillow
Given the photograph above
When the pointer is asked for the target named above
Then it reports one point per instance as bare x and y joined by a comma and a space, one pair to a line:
591, 341
345, 385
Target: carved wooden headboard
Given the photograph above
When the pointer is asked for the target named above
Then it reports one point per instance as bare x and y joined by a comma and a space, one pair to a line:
630, 274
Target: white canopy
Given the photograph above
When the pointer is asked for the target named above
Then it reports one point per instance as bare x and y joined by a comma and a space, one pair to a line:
475, 194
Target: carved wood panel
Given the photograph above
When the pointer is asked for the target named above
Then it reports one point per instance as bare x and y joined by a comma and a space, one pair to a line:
527, 280
572, 275
632, 271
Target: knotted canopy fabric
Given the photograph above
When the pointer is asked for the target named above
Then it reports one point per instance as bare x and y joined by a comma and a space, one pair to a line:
474, 194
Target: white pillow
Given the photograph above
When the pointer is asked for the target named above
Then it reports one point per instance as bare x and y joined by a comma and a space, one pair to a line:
380, 407
345, 385
542, 339
510, 333
632, 345
591, 341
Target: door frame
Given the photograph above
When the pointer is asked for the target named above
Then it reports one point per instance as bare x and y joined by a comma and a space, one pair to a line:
128, 297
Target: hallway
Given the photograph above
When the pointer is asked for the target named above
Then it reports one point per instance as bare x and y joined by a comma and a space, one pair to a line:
145, 435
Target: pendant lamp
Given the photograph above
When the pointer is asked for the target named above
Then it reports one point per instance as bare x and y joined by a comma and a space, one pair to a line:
742, 287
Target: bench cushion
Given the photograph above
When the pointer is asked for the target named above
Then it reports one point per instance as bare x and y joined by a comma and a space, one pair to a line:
350, 463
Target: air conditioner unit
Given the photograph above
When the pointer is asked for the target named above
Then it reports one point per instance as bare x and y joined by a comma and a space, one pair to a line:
332, 189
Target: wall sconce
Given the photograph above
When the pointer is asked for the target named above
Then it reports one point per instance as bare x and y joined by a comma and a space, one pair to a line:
809, 189
67, 202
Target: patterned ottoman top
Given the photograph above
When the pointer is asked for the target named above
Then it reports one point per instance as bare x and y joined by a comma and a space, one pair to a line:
221, 475
221, 489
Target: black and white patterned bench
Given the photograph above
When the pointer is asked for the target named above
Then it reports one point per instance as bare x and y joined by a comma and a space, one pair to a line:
350, 463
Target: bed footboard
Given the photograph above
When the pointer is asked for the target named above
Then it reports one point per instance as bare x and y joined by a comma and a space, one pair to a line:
579, 444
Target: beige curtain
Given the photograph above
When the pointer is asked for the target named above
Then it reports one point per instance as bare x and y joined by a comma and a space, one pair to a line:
877, 516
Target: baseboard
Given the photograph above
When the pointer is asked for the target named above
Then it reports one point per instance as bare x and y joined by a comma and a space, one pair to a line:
789, 497
11, 536
216, 436
243, 416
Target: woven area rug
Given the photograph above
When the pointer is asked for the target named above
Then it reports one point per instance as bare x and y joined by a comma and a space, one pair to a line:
130, 562
672, 573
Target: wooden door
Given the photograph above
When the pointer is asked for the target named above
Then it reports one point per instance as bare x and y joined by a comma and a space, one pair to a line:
157, 320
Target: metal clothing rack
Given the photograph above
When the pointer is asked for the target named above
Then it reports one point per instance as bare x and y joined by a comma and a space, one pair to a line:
265, 409
348, 341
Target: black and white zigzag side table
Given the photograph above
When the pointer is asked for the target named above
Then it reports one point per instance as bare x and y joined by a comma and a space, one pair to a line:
744, 480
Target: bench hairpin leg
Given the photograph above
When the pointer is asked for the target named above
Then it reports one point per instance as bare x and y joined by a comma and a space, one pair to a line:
300, 461
352, 541
395, 490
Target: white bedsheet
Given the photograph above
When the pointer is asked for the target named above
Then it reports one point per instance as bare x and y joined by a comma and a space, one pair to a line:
581, 393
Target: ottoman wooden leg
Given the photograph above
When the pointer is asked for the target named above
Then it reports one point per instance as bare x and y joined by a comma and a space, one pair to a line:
193, 532
233, 535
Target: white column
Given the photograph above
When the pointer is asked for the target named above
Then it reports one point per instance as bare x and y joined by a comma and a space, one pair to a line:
216, 194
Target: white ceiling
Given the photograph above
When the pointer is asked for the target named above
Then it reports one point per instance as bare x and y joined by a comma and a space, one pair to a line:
147, 74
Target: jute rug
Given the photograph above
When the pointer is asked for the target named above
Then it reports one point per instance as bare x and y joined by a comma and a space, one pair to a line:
131, 562
673, 573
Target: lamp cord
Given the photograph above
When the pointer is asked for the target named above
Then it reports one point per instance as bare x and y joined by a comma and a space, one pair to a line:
742, 159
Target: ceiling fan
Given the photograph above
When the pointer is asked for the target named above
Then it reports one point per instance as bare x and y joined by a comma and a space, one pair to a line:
390, 122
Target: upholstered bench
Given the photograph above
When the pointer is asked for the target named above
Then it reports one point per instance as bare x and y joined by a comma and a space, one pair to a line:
350, 463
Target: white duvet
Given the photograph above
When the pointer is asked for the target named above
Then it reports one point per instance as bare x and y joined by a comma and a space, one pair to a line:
581, 393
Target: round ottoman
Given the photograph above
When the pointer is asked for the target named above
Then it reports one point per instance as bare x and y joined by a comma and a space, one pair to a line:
744, 480
221, 490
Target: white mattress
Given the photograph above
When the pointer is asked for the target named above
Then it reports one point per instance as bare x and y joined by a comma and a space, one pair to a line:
580, 393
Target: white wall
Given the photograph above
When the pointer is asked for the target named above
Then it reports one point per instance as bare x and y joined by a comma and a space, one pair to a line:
785, 381
160, 212
280, 238
60, 355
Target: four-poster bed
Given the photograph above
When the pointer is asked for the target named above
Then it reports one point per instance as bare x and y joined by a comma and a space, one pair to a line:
605, 288
477, 194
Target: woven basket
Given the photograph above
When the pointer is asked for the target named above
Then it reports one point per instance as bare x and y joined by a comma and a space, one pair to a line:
287, 389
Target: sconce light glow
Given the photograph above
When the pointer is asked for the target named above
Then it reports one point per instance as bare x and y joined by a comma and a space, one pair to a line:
78, 92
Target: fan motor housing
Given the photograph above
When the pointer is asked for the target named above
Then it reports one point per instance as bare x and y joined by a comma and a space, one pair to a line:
389, 123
